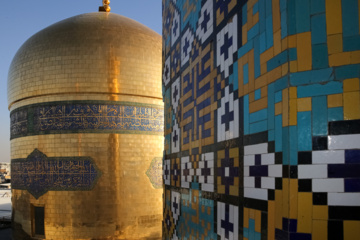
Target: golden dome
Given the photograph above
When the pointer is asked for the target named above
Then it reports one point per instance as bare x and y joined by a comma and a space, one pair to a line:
92, 53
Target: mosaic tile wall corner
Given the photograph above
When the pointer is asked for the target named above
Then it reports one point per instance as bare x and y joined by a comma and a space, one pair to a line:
262, 119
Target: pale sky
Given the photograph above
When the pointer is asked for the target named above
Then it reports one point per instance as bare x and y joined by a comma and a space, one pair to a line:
21, 19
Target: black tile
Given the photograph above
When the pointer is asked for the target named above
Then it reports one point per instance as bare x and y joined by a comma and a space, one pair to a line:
319, 143
195, 150
319, 198
264, 225
304, 158
278, 158
305, 185
286, 171
256, 204
271, 194
293, 172
300, 236
278, 183
335, 230
344, 127
256, 138
343, 171
271, 146
344, 213
281, 235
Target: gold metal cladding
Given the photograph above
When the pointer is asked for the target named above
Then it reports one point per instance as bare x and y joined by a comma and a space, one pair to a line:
118, 56
106, 6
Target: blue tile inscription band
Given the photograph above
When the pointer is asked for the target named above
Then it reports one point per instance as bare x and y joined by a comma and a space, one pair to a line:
99, 117
38, 174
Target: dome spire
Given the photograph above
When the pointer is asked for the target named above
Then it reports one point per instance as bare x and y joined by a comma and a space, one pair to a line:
105, 7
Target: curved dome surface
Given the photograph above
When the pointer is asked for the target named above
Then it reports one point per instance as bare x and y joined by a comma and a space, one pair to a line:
92, 53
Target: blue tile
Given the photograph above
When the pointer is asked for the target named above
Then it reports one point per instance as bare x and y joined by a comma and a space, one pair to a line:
348, 71
269, 32
268, 4
258, 116
319, 116
320, 56
262, 42
262, 15
291, 17
246, 73
258, 127
271, 106
245, 48
246, 115
343, 170
318, 29
304, 131
319, 89
257, 94
278, 133
283, 5
293, 145
352, 156
257, 57
351, 43
271, 135
317, 6
246, 232
350, 17
244, 14
335, 114
255, 8
300, 236
278, 96
352, 185
281, 83
277, 60
302, 16
254, 31
283, 23
292, 54
251, 228
257, 236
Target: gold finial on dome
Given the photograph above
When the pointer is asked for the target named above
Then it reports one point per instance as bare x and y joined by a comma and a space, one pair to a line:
105, 7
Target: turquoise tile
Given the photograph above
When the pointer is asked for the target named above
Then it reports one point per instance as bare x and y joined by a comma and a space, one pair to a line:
256, 8
335, 114
291, 17
312, 76
319, 89
271, 106
304, 131
245, 48
292, 54
348, 71
234, 76
320, 56
246, 233
269, 32
351, 43
258, 127
253, 32
257, 57
302, 15
262, 15
262, 42
278, 133
283, 23
257, 94
350, 17
319, 116
318, 29
277, 60
317, 6
257, 236
281, 83
283, 4
258, 116
271, 135
278, 96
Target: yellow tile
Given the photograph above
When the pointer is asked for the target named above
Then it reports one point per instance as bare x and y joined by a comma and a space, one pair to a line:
251, 213
234, 152
285, 107
244, 33
304, 54
293, 66
292, 41
263, 68
355, 57
333, 16
278, 108
351, 105
351, 85
278, 209
335, 100
285, 198
351, 230
293, 198
274, 74
304, 104
267, 55
256, 18
276, 15
339, 59
320, 212
246, 217
277, 42
304, 212
258, 221
335, 43
271, 220
293, 112
284, 69
319, 230
284, 44
258, 105
292, 92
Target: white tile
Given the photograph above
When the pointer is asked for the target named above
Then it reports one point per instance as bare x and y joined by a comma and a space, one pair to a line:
256, 149
207, 187
249, 160
349, 141
344, 199
275, 170
236, 118
209, 156
268, 182
328, 185
328, 157
236, 222
256, 193
246, 171
312, 171
249, 182
267, 159
220, 207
